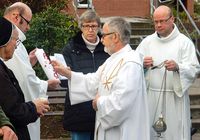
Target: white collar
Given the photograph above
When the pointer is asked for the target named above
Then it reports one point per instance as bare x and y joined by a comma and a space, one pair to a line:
22, 36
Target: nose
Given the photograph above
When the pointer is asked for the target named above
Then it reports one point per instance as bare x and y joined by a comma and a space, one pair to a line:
90, 29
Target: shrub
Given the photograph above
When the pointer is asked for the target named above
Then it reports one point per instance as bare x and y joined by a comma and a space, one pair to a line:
50, 30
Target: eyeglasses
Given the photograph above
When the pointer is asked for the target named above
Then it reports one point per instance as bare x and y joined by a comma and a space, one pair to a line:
28, 22
93, 27
106, 34
161, 21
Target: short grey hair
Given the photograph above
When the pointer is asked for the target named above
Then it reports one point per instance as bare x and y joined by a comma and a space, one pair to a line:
89, 16
120, 26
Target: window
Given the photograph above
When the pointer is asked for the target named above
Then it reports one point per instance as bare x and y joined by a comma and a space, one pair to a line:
83, 3
163, 1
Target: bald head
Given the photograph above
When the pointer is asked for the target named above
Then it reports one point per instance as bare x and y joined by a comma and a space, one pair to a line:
163, 11
19, 7
19, 14
163, 20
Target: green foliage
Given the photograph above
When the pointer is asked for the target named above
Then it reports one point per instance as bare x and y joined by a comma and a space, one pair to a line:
43, 5
197, 11
50, 30
182, 15
197, 8
1, 12
35, 5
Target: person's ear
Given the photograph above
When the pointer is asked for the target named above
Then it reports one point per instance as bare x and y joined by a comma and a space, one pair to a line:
116, 37
15, 18
173, 19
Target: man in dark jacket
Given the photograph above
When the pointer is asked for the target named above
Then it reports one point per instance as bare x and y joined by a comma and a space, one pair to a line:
84, 53
12, 100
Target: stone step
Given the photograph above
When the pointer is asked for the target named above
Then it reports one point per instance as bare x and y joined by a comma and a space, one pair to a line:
142, 31
145, 24
197, 121
196, 136
196, 84
195, 99
194, 93
196, 124
195, 111
135, 40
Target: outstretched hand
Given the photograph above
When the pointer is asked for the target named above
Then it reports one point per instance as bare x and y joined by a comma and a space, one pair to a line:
61, 69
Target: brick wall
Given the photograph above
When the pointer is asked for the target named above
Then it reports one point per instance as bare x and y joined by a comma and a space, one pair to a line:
127, 8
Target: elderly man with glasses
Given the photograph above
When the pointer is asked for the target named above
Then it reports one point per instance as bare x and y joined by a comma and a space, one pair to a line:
117, 88
171, 67
20, 112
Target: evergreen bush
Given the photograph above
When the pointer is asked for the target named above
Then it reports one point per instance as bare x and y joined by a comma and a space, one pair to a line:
50, 30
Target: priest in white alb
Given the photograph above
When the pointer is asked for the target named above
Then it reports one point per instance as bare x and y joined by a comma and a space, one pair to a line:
171, 67
117, 88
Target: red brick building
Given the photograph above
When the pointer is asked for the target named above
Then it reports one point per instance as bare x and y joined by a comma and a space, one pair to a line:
126, 8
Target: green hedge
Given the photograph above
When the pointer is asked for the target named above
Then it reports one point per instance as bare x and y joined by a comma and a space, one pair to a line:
50, 30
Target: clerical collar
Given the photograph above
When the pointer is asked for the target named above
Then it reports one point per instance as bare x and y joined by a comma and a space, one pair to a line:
91, 46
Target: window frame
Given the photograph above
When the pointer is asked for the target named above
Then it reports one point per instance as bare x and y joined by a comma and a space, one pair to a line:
79, 5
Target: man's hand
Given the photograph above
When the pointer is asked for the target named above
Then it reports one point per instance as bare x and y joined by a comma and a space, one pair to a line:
42, 106
61, 69
53, 84
94, 102
171, 65
32, 57
8, 133
148, 62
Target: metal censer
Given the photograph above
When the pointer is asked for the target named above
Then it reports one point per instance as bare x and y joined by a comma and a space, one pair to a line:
160, 126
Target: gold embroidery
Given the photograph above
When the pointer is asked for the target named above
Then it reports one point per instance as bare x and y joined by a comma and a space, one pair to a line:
113, 74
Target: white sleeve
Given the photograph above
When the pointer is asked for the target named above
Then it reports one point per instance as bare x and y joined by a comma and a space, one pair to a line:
83, 87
